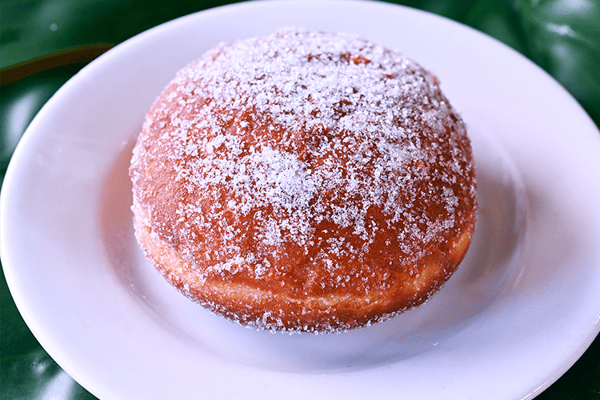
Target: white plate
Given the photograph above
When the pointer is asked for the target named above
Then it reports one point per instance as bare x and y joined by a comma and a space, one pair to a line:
524, 305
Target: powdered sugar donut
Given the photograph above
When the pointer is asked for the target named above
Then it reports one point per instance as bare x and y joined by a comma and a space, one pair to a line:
304, 181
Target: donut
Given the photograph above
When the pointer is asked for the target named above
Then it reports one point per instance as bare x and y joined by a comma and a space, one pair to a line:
304, 181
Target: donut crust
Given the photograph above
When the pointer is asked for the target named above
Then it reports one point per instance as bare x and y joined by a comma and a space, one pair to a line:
304, 181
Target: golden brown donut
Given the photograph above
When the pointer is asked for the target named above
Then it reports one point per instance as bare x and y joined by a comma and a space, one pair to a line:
304, 181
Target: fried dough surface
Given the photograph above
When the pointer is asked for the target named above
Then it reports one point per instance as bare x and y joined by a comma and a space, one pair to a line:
304, 181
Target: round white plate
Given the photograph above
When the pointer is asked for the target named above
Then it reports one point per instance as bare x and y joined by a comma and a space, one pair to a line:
524, 305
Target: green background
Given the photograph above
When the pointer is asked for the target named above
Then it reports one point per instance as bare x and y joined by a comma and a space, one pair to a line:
45, 42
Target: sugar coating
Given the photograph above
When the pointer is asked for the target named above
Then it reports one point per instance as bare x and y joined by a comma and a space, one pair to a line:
304, 151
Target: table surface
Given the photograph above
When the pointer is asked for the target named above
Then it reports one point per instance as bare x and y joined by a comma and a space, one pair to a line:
45, 42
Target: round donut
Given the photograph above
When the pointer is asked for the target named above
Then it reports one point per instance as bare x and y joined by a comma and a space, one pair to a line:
304, 181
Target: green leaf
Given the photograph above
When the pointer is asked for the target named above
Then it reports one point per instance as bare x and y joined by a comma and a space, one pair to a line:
34, 375
36, 28
563, 37
499, 20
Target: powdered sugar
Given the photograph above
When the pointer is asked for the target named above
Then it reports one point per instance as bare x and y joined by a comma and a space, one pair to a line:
315, 144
